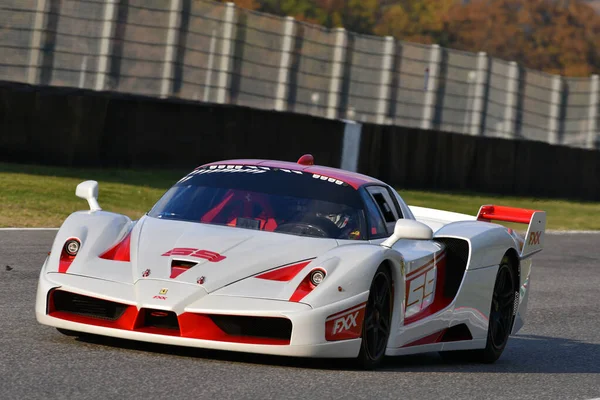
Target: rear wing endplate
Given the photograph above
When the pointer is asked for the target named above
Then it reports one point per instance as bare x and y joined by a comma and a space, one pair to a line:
536, 221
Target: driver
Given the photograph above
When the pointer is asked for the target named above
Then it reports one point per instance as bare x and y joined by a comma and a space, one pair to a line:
337, 220
345, 219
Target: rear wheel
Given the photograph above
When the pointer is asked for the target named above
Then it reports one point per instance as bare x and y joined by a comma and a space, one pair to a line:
378, 320
500, 321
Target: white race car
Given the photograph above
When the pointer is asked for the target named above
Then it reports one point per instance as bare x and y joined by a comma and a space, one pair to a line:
292, 259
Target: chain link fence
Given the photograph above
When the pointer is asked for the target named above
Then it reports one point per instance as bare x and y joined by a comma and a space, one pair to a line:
213, 52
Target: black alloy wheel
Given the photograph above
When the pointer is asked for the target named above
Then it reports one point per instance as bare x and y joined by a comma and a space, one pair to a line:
503, 303
501, 319
378, 320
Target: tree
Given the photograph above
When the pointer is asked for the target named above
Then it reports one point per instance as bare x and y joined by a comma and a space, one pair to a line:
358, 16
416, 21
354, 15
555, 36
304, 10
249, 4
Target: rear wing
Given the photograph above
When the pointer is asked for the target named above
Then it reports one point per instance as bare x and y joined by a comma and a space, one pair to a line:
536, 221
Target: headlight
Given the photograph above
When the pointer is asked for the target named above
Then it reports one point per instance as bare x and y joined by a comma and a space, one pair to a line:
72, 247
317, 276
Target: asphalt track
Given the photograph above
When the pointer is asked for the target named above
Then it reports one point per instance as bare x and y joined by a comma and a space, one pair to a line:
556, 356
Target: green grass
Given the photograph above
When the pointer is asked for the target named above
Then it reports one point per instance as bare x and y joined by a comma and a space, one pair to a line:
561, 214
37, 196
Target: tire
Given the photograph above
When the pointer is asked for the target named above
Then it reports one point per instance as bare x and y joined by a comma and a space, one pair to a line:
378, 319
500, 321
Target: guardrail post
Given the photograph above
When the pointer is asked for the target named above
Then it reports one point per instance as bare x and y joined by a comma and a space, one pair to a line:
431, 85
226, 53
209, 68
337, 69
284, 64
33, 74
105, 48
166, 86
481, 82
351, 146
554, 115
593, 112
386, 77
512, 97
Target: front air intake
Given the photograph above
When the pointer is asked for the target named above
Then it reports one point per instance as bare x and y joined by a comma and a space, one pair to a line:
86, 306
257, 327
160, 319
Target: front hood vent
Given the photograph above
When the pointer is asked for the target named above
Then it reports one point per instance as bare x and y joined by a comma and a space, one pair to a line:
178, 267
216, 256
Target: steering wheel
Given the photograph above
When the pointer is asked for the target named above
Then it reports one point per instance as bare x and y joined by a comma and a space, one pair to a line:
311, 226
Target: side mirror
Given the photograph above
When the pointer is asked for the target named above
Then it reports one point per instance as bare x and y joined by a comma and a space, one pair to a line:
409, 229
88, 190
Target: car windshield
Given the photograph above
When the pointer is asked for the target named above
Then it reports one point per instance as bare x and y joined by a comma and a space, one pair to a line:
268, 199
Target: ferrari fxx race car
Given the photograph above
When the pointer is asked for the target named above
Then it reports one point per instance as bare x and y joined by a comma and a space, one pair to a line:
292, 259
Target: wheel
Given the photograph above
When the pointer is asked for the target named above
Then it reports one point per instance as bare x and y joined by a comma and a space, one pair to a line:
311, 226
500, 322
378, 319
501, 314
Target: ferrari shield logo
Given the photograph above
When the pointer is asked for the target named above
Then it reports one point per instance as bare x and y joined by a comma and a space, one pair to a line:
163, 291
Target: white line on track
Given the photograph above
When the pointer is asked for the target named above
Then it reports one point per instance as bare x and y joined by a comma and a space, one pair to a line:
28, 229
552, 232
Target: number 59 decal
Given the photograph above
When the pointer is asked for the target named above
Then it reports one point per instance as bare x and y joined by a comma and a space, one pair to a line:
420, 287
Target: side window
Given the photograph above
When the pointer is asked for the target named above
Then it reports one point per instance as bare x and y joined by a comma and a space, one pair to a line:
396, 199
386, 205
376, 226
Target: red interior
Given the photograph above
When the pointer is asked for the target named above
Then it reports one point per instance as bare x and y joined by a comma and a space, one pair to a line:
242, 204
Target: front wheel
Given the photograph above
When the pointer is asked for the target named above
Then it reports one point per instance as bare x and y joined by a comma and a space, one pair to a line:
378, 320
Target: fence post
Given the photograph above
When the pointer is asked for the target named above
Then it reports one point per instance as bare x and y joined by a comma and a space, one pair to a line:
351, 146
555, 103
512, 93
481, 81
166, 86
33, 75
386, 77
337, 69
593, 112
210, 66
226, 52
431, 85
284, 64
105, 43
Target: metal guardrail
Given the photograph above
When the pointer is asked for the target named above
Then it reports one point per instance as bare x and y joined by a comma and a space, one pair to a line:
215, 52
